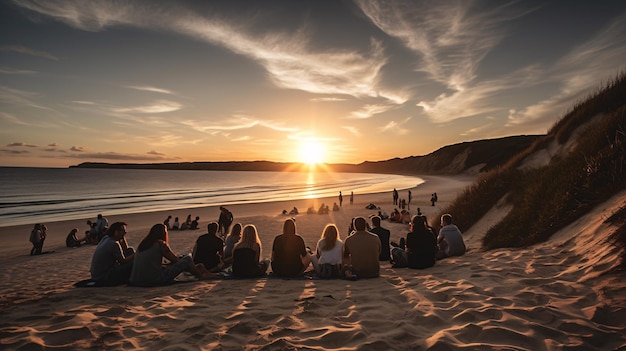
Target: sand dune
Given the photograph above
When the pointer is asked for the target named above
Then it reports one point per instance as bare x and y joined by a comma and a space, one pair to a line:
558, 295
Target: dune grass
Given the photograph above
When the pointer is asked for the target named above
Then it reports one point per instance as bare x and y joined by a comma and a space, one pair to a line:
548, 198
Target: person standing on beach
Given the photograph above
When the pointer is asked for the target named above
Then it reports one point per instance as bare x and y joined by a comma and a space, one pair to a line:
383, 235
209, 249
409, 202
450, 239
35, 239
148, 268
166, 222
112, 261
340, 199
351, 197
361, 252
395, 197
224, 221
290, 257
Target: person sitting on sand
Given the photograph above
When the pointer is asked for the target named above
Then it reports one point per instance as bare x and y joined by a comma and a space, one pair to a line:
247, 262
229, 244
186, 224
176, 224
194, 223
92, 233
72, 240
112, 259
361, 252
294, 211
209, 249
327, 260
450, 239
166, 222
289, 255
383, 235
102, 224
421, 247
147, 269
311, 210
335, 207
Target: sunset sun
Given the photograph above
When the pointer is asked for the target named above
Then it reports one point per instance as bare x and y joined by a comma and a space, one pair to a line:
311, 152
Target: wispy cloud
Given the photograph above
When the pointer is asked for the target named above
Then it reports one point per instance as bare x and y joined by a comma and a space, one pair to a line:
371, 110
286, 56
160, 106
78, 149
327, 99
352, 129
151, 89
115, 156
396, 127
28, 51
14, 152
8, 70
155, 153
20, 97
11, 119
238, 122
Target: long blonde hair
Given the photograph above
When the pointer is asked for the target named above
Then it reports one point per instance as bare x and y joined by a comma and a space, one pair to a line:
330, 234
249, 237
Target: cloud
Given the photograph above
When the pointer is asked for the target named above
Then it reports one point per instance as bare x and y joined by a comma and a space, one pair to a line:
20, 98
151, 89
14, 152
9, 118
155, 153
7, 70
286, 56
371, 110
77, 149
27, 51
238, 122
20, 144
53, 145
351, 129
475, 130
160, 106
115, 156
396, 127
327, 99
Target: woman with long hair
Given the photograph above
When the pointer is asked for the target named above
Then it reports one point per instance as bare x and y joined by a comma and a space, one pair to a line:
421, 247
233, 238
328, 253
289, 255
247, 255
147, 266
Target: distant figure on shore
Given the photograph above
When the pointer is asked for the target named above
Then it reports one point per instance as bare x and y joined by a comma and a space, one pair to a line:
194, 223
323, 209
112, 260
102, 225
361, 252
335, 207
36, 239
340, 200
176, 225
209, 249
383, 235
311, 210
410, 198
289, 255
419, 211
186, 224
395, 197
229, 243
92, 233
72, 240
247, 262
432, 199
166, 222
351, 197
421, 247
148, 270
327, 260
294, 211
224, 221
450, 239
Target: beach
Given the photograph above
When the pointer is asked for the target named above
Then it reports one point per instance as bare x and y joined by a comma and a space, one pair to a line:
557, 295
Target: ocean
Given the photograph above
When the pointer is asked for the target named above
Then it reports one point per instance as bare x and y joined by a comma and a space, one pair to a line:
39, 195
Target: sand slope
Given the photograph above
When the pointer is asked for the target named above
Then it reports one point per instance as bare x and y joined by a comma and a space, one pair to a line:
552, 296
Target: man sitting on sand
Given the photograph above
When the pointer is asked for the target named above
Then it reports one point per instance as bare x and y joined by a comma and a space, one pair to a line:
361, 252
112, 260
209, 249
383, 235
450, 239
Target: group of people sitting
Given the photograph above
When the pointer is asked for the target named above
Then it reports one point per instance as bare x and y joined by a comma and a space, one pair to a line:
114, 262
187, 224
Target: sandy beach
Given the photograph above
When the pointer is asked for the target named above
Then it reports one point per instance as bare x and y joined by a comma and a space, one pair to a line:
558, 295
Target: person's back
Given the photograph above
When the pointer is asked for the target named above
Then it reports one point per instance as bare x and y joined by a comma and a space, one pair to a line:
383, 234
286, 260
450, 238
332, 256
147, 266
246, 263
209, 248
363, 249
422, 249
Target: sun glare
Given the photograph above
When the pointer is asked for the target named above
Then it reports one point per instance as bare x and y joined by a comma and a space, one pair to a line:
311, 152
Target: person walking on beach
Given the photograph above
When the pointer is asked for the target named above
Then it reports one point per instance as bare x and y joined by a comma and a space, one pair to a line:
148, 268
327, 260
112, 261
340, 199
383, 235
209, 249
395, 197
35, 239
409, 201
247, 262
450, 239
351, 197
289, 255
361, 252
224, 221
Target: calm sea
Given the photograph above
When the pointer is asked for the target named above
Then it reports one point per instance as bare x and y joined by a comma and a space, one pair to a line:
33, 195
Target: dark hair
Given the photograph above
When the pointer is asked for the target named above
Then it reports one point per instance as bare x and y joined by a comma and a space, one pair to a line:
289, 227
157, 232
360, 223
115, 227
212, 228
376, 221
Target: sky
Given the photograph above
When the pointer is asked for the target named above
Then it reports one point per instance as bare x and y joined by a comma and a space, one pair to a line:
291, 81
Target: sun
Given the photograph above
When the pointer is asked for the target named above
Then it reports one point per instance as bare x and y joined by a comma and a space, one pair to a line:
311, 152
